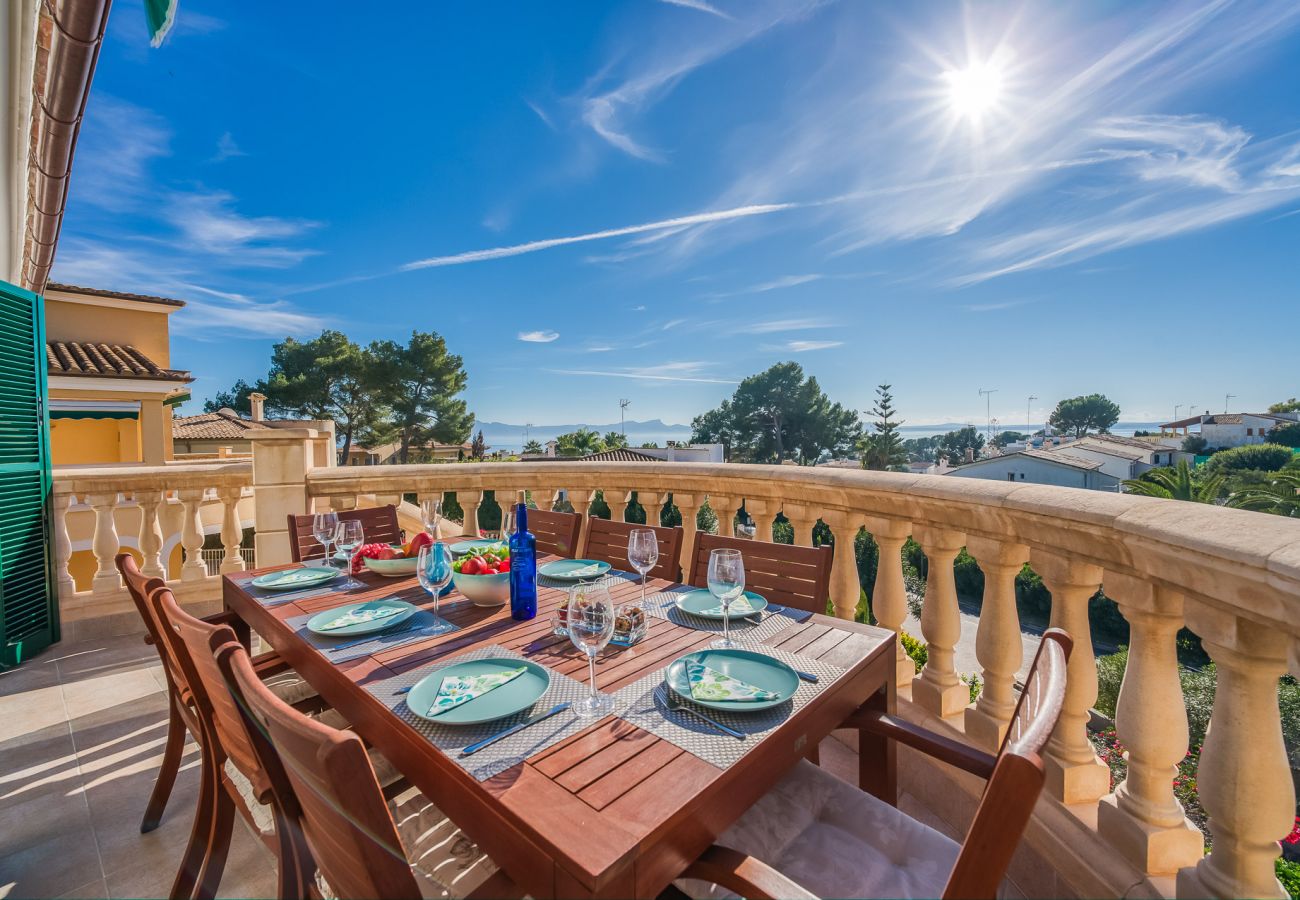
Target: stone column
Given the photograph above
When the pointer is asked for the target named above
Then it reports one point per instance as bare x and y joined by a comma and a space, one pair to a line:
155, 433
282, 457
1074, 773
725, 508
618, 510
150, 537
105, 543
889, 594
761, 512
653, 503
689, 506
997, 641
846, 590
1244, 779
231, 533
193, 568
62, 546
938, 688
802, 519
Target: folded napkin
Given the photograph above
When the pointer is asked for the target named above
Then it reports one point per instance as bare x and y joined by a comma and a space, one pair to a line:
360, 616
457, 690
739, 607
593, 569
710, 684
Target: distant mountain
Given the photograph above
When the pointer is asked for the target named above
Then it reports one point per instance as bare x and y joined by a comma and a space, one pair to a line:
655, 425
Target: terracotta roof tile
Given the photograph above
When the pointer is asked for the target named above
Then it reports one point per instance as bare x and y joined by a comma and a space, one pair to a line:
621, 455
100, 360
117, 295
221, 425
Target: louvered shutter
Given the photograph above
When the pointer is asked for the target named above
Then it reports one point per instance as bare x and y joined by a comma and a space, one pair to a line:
28, 606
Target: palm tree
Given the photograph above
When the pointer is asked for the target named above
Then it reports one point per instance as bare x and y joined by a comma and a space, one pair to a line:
533, 447
582, 442
1178, 483
1281, 497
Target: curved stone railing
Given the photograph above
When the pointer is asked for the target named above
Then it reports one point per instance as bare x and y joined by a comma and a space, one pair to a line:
1233, 577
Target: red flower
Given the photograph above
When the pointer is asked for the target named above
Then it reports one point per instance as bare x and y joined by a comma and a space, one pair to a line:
1294, 836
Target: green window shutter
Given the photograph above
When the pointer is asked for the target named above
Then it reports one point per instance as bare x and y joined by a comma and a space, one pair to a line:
29, 619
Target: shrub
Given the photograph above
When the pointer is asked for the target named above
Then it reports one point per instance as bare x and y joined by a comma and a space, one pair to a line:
1260, 457
915, 649
1286, 435
1110, 675
1289, 874
1194, 443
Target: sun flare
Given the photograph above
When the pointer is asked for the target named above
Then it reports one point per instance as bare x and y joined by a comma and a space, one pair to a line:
975, 90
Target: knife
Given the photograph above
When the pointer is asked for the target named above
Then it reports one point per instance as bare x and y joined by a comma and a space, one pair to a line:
373, 637
514, 729
807, 676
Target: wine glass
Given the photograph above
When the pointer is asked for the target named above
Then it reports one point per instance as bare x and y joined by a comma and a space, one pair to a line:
431, 515
349, 537
726, 582
433, 567
507, 517
591, 625
642, 554
324, 526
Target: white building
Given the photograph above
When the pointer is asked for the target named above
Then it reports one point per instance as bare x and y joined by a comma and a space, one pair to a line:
1054, 467
1225, 430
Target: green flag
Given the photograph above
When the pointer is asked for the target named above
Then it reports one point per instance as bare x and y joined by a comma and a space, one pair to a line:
160, 14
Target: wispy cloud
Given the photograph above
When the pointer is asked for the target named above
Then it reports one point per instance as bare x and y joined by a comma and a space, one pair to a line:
776, 326
538, 337
541, 114
673, 323
227, 148
127, 138
698, 5
805, 346
776, 284
667, 372
993, 307
209, 224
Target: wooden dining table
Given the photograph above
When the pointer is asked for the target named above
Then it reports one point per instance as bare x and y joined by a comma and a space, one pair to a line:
613, 810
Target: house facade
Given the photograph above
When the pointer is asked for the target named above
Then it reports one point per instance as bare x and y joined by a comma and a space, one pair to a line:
1226, 430
1056, 468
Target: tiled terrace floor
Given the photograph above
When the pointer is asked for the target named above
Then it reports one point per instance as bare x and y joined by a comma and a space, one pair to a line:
81, 735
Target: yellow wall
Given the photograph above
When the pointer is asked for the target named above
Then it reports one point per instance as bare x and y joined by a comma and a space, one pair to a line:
144, 330
87, 441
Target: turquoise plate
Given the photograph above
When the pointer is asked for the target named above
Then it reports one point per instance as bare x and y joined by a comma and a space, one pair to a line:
319, 623
563, 569
296, 579
462, 547
512, 697
699, 602
757, 669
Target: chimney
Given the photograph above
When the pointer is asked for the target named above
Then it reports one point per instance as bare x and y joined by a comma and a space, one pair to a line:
970, 454
256, 401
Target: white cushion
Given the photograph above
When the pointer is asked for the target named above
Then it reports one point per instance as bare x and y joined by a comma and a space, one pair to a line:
838, 841
445, 862
290, 687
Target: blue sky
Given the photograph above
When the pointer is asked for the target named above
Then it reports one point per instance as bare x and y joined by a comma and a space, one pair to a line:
652, 200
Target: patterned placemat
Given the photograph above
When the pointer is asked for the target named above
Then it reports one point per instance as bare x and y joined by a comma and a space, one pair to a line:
505, 753
279, 598
643, 704
424, 624
610, 580
663, 605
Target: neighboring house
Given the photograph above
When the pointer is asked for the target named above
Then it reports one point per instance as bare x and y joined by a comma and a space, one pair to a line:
1119, 457
112, 388
1224, 430
1054, 467
225, 432
675, 452
390, 454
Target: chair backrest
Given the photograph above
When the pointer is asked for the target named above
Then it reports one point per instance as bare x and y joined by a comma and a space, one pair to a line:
379, 523
140, 586
1017, 778
607, 541
797, 577
325, 788
556, 532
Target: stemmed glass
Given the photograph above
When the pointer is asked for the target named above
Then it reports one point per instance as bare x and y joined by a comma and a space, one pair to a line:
433, 568
324, 527
507, 516
591, 625
349, 537
726, 582
431, 515
642, 554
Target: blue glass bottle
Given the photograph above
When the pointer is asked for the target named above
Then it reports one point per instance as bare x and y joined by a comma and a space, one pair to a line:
523, 568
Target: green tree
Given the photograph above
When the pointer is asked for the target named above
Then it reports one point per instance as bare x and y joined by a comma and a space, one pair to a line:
884, 449
954, 444
1285, 406
1009, 437
533, 446
778, 415
236, 398
1259, 457
1181, 482
478, 446
1287, 435
420, 382
1194, 443
1093, 412
922, 449
614, 440
650, 445
582, 442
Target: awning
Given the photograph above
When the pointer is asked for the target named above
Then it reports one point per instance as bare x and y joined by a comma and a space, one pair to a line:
94, 409
177, 400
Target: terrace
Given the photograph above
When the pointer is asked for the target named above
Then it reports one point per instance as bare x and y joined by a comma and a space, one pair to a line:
85, 720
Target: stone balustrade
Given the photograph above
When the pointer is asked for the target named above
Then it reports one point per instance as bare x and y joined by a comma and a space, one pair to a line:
1231, 576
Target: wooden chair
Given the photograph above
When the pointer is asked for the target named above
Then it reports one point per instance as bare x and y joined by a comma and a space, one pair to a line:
379, 523
787, 575
556, 532
607, 541
816, 836
331, 809
182, 715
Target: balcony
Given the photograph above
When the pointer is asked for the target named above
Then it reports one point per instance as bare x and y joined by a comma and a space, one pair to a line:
87, 718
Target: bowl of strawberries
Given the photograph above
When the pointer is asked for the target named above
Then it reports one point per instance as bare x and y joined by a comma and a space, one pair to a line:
484, 575
390, 560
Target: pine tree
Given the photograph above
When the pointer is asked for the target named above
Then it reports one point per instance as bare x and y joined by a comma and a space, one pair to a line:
884, 449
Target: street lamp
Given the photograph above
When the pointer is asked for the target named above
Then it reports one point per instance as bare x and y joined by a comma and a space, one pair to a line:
988, 412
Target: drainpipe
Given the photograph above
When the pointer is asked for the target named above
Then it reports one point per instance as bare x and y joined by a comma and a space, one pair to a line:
75, 40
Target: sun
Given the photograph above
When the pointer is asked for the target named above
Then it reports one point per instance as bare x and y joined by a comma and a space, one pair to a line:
974, 91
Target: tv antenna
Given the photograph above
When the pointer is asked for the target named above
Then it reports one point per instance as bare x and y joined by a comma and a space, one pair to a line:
622, 407
1226, 398
1029, 415
988, 411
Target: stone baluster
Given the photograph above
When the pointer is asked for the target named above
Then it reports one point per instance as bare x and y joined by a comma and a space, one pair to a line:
1244, 779
653, 503
846, 590
470, 501
232, 535
1142, 818
150, 537
105, 542
889, 595
62, 545
507, 499
761, 512
1074, 773
618, 502
725, 508
192, 534
581, 502
802, 519
689, 506
997, 641
938, 688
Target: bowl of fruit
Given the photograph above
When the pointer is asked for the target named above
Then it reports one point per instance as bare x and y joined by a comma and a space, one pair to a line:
484, 576
390, 560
